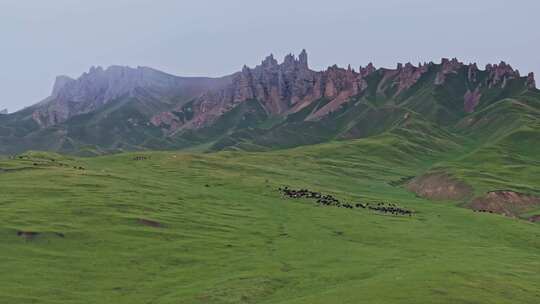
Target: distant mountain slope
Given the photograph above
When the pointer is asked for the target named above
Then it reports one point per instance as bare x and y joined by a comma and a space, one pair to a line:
87, 111
274, 105
98, 87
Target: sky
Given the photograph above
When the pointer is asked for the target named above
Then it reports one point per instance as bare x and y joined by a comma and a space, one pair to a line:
42, 39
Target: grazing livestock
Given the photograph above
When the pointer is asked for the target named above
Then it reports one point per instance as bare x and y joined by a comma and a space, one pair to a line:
483, 210
329, 200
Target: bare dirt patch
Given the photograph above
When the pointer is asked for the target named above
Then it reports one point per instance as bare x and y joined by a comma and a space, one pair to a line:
440, 186
505, 202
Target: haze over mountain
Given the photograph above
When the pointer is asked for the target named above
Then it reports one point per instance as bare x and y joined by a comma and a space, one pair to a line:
209, 38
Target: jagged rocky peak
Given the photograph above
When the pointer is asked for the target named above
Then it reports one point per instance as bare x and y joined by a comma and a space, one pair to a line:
447, 67
60, 83
4, 111
99, 86
472, 73
365, 71
102, 85
408, 75
303, 59
289, 60
497, 75
531, 83
290, 63
94, 69
397, 80
278, 84
268, 62
280, 87
500, 73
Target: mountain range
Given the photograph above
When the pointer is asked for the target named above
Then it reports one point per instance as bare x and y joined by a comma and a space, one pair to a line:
273, 105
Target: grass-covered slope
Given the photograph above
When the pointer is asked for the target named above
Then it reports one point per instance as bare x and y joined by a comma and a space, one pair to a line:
171, 227
502, 147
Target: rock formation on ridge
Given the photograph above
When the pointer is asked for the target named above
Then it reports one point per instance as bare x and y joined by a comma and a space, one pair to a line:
99, 86
288, 87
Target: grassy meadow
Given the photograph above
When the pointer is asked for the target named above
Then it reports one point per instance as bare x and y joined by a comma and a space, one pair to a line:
177, 227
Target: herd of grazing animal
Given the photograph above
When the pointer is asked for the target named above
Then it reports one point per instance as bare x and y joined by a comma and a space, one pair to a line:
329, 200
140, 157
36, 162
482, 210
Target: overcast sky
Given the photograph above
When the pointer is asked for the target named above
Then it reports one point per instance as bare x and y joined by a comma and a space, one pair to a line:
41, 39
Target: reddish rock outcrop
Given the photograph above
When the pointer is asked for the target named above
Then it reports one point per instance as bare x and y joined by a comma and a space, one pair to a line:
472, 98
281, 88
505, 202
291, 86
447, 67
339, 86
409, 75
179, 103
367, 70
495, 75
166, 118
400, 79
499, 74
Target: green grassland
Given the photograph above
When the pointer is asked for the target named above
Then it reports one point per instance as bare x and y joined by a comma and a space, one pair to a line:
227, 236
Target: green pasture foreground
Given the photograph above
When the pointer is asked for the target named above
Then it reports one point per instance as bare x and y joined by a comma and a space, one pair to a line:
221, 233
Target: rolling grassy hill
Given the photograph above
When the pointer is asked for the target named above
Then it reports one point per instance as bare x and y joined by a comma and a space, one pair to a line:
204, 222
175, 227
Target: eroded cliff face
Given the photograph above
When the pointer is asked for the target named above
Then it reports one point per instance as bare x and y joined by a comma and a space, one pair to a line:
531, 83
448, 67
132, 108
472, 98
290, 86
99, 86
500, 74
281, 88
